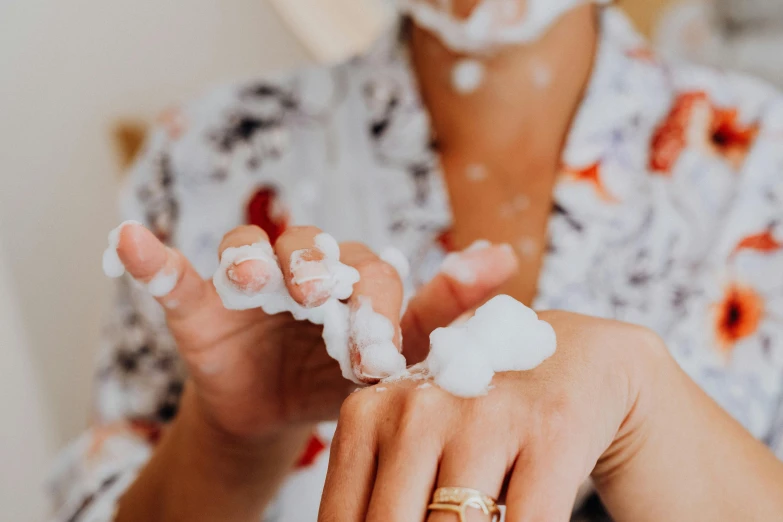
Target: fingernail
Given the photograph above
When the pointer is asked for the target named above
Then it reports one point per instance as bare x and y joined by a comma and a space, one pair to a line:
313, 275
249, 274
112, 265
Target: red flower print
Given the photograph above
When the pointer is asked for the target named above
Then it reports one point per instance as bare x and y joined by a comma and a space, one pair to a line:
670, 139
729, 137
737, 315
592, 175
173, 122
314, 448
265, 210
694, 120
446, 241
764, 242
643, 54
149, 431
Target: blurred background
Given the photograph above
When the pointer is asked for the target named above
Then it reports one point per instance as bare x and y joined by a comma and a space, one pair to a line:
80, 80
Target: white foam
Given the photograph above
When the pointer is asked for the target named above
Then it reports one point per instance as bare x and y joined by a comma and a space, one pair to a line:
467, 75
528, 247
542, 75
476, 172
492, 24
163, 283
504, 335
274, 298
332, 278
372, 335
398, 260
112, 265
462, 268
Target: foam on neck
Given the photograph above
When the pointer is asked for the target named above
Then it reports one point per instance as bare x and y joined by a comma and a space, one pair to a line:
493, 24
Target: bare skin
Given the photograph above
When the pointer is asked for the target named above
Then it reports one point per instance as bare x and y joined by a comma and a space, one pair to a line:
611, 401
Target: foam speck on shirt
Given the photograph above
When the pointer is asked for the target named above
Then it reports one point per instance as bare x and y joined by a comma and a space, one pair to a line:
504, 335
112, 265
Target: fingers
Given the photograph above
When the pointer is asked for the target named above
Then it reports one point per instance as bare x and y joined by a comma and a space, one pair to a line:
544, 484
376, 303
466, 280
168, 276
351, 474
408, 458
310, 261
247, 273
474, 462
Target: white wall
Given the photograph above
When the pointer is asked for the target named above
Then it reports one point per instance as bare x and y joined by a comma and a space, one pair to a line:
68, 70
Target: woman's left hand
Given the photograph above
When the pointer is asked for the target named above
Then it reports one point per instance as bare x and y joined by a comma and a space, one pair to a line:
533, 439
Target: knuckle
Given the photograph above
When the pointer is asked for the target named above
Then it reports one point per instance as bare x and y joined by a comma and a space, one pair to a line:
302, 230
358, 408
378, 270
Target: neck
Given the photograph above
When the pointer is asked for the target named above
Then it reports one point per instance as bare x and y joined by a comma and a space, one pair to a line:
524, 105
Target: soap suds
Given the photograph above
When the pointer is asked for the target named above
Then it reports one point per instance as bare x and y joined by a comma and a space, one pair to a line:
424, 386
492, 24
467, 75
274, 298
476, 172
517, 205
504, 335
461, 266
398, 260
380, 389
163, 283
542, 75
372, 337
528, 247
329, 277
112, 265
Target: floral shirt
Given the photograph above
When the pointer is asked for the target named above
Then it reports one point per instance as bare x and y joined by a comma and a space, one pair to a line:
668, 213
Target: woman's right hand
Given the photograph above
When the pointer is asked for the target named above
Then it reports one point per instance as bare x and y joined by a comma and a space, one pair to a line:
251, 374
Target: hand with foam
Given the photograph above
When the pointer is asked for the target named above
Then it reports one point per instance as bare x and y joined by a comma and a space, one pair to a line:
533, 437
283, 334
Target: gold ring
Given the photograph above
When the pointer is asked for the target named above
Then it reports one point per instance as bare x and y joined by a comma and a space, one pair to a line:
458, 500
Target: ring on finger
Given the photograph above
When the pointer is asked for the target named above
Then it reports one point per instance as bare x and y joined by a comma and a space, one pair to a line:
458, 500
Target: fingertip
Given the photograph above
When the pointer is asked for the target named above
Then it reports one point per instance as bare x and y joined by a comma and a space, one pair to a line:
249, 275
481, 267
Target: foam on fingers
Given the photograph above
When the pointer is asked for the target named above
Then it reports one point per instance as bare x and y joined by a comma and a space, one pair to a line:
479, 261
319, 272
112, 264
374, 355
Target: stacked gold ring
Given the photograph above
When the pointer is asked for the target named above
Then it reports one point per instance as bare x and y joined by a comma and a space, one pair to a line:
458, 500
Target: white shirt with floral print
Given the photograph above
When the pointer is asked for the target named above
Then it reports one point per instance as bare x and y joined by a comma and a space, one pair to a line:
668, 213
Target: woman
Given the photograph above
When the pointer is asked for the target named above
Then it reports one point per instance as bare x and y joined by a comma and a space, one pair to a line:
632, 191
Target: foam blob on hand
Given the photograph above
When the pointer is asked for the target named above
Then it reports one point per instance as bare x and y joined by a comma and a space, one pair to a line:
504, 335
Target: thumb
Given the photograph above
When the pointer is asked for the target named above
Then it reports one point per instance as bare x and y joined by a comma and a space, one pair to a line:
165, 272
466, 280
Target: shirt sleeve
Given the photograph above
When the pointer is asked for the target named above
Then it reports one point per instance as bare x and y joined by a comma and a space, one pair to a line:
138, 378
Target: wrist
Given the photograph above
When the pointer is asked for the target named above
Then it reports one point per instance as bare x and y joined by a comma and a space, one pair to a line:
200, 472
647, 369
